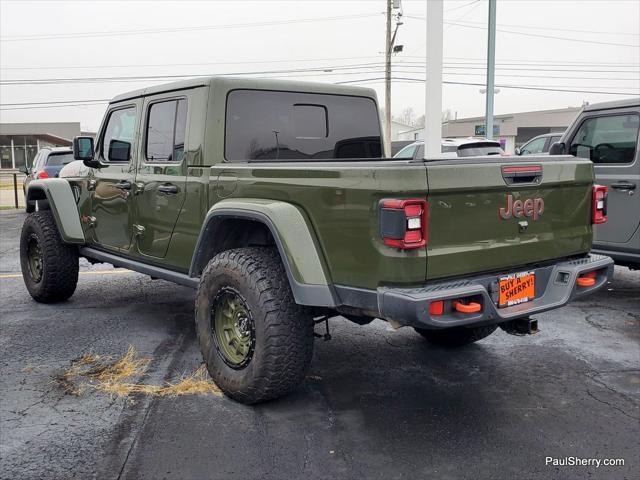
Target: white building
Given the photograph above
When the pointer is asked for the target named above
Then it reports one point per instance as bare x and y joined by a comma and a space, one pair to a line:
397, 128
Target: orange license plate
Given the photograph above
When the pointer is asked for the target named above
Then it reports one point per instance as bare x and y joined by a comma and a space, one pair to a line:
516, 288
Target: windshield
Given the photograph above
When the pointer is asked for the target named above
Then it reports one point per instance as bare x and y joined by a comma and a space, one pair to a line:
59, 159
479, 149
407, 152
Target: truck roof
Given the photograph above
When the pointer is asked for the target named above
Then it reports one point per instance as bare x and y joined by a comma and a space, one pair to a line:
248, 83
624, 103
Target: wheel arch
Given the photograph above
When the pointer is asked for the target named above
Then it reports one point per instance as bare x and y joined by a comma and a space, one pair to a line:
62, 203
237, 223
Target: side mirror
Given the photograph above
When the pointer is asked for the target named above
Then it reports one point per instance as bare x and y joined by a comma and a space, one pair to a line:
517, 151
557, 148
119, 151
83, 150
24, 169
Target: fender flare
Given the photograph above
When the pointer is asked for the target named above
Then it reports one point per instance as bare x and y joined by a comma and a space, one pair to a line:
294, 239
62, 203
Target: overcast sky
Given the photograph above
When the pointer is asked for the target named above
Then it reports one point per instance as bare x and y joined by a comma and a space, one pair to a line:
539, 43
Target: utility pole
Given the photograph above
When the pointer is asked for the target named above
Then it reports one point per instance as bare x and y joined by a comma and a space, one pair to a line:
387, 84
433, 84
491, 67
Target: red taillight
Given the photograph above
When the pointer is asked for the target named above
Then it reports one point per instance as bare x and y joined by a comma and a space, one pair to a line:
403, 223
599, 207
41, 175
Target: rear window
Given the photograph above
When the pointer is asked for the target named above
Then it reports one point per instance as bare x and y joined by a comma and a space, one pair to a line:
270, 125
478, 150
58, 159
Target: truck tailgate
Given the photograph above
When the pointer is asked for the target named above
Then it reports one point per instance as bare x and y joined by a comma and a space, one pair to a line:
542, 218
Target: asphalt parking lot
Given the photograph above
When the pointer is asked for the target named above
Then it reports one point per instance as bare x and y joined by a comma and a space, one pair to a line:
377, 403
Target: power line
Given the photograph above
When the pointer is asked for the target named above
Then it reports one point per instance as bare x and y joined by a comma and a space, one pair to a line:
355, 69
54, 102
553, 37
61, 36
421, 80
461, 6
70, 103
532, 27
54, 106
537, 35
471, 61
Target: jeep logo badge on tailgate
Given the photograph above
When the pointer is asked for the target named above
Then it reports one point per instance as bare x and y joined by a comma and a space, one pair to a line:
531, 207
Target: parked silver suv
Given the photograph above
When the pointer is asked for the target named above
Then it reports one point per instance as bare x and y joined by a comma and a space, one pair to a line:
607, 133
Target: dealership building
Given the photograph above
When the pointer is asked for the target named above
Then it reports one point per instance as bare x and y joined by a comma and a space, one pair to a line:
19, 142
511, 129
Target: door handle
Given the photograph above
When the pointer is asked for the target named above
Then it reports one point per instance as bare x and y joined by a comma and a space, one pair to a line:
123, 185
623, 186
168, 189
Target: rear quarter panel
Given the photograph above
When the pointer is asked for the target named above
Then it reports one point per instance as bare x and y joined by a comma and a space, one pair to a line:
340, 201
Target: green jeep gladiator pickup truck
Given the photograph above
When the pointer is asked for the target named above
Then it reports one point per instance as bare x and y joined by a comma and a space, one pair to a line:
275, 201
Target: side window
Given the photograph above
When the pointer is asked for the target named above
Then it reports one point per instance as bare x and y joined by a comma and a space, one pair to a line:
166, 126
610, 139
34, 165
406, 152
534, 146
117, 142
42, 159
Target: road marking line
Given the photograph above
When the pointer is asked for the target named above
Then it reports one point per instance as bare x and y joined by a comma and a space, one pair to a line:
115, 271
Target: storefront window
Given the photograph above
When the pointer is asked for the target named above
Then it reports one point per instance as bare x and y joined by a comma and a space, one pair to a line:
31, 154
19, 155
25, 148
5, 157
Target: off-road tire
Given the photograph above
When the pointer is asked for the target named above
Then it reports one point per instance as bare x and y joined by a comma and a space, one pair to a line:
457, 336
59, 275
283, 330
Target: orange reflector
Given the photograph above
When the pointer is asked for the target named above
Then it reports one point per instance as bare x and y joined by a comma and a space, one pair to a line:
471, 307
436, 308
586, 281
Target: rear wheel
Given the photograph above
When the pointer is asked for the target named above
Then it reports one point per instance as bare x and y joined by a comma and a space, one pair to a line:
49, 266
256, 341
457, 336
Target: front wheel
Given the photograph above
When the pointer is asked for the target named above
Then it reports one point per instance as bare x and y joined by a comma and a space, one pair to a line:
49, 266
256, 341
456, 336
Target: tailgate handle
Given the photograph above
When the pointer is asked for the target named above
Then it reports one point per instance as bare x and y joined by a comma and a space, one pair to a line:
516, 174
623, 186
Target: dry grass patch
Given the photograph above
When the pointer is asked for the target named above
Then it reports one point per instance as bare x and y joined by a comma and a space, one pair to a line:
118, 377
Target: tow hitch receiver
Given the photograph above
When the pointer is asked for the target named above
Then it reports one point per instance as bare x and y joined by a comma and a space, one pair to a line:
520, 326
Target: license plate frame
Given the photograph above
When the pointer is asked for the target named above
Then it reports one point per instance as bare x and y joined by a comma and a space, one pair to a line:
516, 288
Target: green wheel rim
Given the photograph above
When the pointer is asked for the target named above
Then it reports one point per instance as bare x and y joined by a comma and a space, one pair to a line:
233, 328
34, 256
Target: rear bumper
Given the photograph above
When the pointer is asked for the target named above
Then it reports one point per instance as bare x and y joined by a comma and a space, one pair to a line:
626, 258
555, 285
